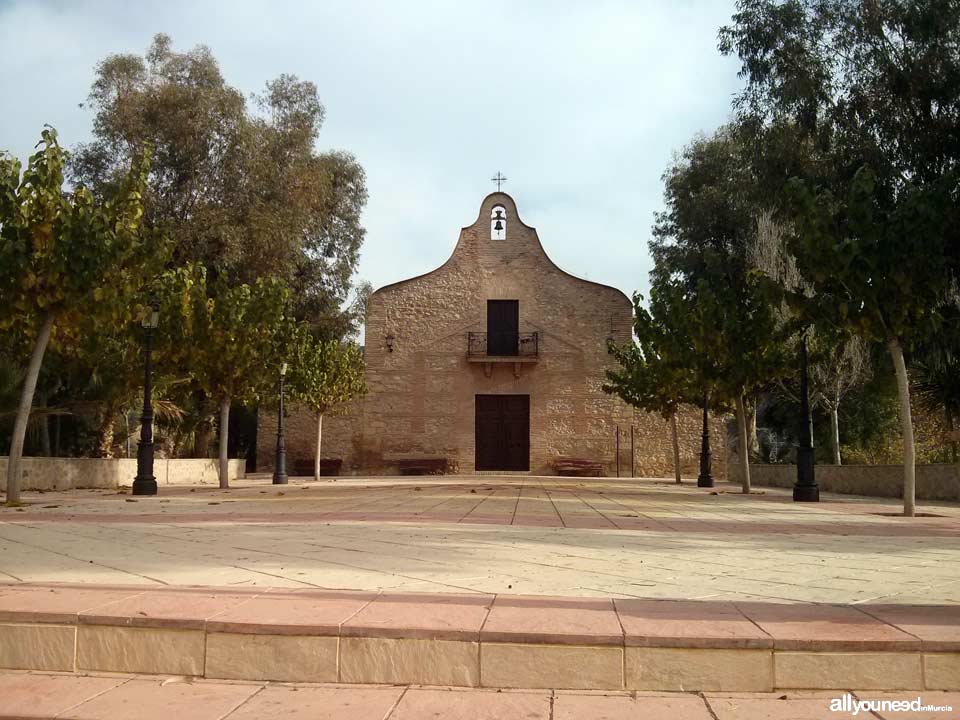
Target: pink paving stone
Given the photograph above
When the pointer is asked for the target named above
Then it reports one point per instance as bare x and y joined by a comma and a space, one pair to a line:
618, 707
538, 520
29, 603
184, 609
301, 612
153, 700
685, 623
421, 615
937, 626
43, 696
315, 703
825, 627
541, 619
472, 705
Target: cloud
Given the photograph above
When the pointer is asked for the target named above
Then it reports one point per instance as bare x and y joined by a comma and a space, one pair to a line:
580, 105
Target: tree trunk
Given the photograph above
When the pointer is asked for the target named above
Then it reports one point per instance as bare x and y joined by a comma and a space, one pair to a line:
224, 432
906, 424
202, 437
744, 446
835, 434
316, 459
752, 429
105, 435
14, 468
676, 448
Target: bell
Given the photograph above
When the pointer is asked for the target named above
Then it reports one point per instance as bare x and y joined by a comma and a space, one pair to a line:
498, 226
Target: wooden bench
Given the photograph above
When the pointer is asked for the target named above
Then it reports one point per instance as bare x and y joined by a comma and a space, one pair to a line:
328, 467
578, 467
423, 466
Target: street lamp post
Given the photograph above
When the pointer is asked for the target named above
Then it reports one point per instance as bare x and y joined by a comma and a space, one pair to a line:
145, 483
280, 469
705, 479
805, 489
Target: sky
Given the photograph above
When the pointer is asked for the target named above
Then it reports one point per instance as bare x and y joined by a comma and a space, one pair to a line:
581, 105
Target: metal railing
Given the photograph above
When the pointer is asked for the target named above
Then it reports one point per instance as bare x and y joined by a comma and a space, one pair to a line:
505, 344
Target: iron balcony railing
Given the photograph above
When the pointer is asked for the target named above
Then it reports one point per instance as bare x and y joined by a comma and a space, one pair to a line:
503, 344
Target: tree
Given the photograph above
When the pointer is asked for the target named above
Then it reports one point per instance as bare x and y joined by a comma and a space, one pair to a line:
67, 262
324, 375
872, 91
936, 374
656, 373
241, 190
701, 242
838, 369
233, 335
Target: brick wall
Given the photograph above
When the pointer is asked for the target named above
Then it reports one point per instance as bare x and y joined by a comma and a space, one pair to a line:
421, 395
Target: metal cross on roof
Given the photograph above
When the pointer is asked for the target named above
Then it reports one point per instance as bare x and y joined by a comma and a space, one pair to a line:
499, 180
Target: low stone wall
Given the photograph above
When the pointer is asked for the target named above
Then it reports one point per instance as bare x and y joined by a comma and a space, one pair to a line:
934, 482
40, 473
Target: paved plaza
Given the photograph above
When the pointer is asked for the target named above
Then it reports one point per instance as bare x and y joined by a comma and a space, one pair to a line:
105, 697
526, 535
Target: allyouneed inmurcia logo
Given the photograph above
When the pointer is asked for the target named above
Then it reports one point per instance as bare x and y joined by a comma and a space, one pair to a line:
847, 703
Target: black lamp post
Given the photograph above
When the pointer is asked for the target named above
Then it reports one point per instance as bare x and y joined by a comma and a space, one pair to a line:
145, 483
805, 489
280, 469
705, 478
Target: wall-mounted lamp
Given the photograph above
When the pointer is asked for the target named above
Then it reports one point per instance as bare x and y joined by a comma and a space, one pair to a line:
610, 343
390, 342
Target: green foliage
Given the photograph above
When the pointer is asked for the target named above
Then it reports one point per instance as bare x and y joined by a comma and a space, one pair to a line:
656, 373
324, 374
231, 337
858, 106
241, 191
876, 269
66, 254
701, 248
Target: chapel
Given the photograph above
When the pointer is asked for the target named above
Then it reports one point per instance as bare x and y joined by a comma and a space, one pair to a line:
492, 362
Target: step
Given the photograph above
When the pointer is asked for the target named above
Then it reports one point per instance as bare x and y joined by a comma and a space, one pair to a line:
477, 640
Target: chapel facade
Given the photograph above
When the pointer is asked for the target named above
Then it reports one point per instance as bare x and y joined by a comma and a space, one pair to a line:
494, 361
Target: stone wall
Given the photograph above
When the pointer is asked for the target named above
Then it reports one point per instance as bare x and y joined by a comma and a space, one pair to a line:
40, 473
934, 482
421, 399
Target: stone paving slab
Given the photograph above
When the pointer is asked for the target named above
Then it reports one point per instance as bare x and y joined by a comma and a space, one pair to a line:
679, 623
185, 609
43, 696
291, 612
524, 535
552, 620
417, 615
830, 627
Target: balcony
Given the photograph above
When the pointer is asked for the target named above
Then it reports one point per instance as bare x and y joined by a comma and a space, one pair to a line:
503, 347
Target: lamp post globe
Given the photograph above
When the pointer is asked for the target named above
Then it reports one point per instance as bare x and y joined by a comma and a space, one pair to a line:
145, 483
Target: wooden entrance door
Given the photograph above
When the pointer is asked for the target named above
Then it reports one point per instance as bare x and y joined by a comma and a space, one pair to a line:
503, 432
503, 325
